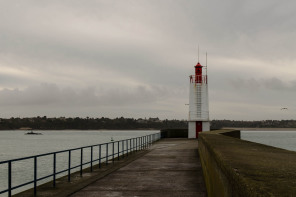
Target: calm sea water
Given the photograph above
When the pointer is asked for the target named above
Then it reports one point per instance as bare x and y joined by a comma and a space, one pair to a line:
280, 139
15, 144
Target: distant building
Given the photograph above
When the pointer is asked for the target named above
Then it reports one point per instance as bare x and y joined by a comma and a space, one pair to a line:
154, 120
140, 120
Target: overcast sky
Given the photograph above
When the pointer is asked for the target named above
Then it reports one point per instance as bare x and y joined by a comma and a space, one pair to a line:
133, 58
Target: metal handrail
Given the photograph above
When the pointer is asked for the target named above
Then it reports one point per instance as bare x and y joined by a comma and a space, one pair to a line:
128, 146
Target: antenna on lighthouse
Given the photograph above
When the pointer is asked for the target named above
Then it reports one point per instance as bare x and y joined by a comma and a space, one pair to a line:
207, 63
198, 53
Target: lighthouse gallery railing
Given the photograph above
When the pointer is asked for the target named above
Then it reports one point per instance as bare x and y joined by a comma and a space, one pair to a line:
119, 148
198, 79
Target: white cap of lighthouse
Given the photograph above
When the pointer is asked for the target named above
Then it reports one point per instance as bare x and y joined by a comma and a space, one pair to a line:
198, 120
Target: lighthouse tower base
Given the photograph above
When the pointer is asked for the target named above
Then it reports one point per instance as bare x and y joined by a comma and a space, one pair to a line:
194, 127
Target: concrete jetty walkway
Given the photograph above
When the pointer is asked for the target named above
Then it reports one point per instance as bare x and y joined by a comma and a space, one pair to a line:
171, 168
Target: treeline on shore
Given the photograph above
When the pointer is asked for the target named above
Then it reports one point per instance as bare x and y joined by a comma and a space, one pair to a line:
44, 123
218, 124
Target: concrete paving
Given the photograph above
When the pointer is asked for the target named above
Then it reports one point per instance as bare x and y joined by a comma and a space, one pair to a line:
171, 168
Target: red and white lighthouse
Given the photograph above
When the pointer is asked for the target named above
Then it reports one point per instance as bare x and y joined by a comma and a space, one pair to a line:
198, 103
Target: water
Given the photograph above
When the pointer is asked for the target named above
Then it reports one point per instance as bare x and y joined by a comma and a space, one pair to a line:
15, 144
281, 139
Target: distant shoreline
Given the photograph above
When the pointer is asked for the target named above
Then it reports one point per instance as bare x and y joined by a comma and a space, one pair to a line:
140, 129
260, 129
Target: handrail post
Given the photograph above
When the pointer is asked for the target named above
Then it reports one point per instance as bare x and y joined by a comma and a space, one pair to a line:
118, 151
35, 176
54, 169
122, 148
133, 145
91, 158
137, 144
69, 166
9, 178
130, 146
100, 153
112, 152
127, 148
81, 161
107, 144
141, 143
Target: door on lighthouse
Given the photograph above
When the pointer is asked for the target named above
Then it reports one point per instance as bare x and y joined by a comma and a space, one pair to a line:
198, 128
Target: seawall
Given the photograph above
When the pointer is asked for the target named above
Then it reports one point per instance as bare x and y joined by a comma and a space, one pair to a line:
234, 167
174, 133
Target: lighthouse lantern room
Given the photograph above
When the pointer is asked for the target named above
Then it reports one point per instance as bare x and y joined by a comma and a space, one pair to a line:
198, 102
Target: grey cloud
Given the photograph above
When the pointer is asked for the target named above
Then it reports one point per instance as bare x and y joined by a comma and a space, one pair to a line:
9, 80
273, 83
276, 84
52, 95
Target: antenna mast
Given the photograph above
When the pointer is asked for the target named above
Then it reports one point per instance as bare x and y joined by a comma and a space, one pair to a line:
206, 63
198, 53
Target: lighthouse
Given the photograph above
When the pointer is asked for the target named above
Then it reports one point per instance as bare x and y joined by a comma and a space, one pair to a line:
198, 120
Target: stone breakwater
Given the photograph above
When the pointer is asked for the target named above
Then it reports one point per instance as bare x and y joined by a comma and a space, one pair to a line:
234, 167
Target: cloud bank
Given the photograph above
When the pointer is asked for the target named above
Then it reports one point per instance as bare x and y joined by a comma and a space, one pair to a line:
133, 58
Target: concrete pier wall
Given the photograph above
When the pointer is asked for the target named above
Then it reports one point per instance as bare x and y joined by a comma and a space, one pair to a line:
234, 167
174, 133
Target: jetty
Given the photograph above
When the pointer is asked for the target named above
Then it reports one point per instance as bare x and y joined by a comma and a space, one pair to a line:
170, 167
218, 163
